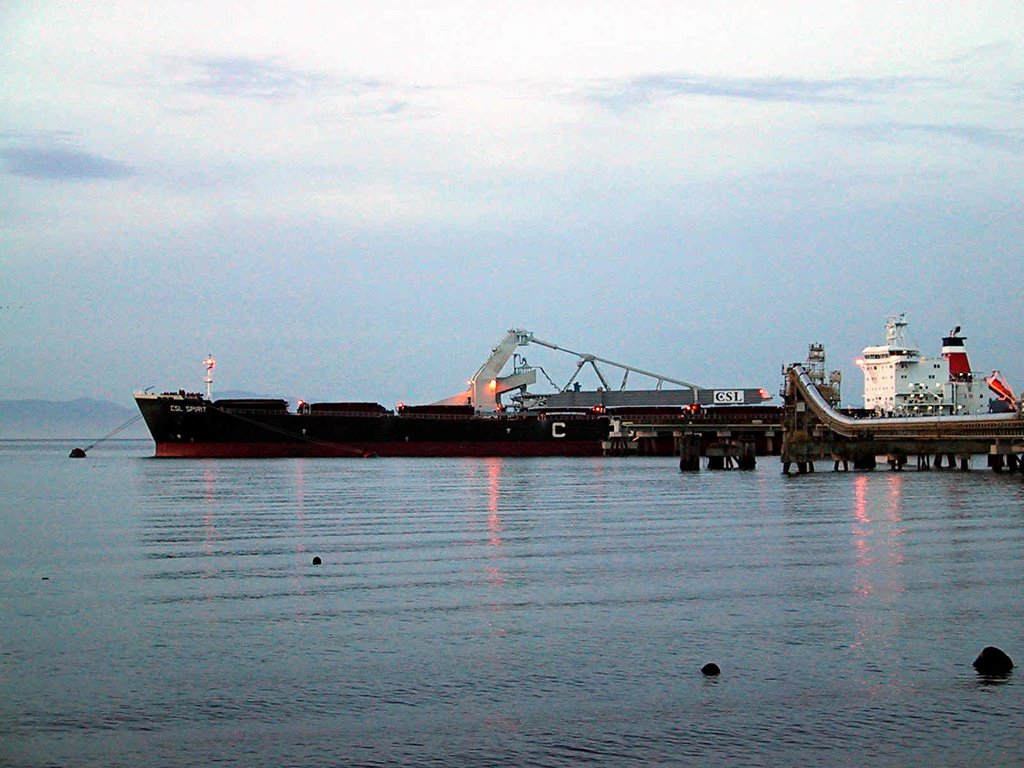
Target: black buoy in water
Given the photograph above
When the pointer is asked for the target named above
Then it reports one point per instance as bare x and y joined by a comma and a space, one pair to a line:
710, 669
316, 560
993, 661
77, 453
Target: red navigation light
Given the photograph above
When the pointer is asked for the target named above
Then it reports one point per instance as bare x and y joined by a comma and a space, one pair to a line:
765, 395
598, 409
400, 406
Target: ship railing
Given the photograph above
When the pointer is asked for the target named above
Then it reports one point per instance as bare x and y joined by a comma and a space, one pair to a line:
347, 413
700, 418
251, 411
504, 416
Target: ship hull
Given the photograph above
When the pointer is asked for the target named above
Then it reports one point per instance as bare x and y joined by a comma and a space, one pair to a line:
278, 450
190, 427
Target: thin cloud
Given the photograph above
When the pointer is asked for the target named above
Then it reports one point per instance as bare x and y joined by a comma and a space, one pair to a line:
997, 50
61, 163
263, 79
974, 134
379, 108
646, 89
269, 81
980, 136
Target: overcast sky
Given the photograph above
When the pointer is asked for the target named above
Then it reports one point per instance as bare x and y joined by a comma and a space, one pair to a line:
354, 200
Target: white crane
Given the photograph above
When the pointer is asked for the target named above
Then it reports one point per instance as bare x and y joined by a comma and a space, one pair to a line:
484, 389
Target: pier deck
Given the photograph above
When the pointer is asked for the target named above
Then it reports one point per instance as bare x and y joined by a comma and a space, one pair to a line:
728, 436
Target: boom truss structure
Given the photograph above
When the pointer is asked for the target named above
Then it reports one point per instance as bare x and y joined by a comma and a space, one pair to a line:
485, 388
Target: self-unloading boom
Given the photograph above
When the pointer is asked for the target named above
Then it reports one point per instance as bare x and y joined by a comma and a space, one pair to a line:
483, 391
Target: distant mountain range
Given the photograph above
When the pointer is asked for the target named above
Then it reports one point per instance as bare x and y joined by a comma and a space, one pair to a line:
84, 418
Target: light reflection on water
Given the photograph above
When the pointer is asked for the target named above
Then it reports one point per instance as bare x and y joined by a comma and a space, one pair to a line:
502, 612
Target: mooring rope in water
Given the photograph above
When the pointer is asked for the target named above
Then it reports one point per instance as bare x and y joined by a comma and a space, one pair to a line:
79, 452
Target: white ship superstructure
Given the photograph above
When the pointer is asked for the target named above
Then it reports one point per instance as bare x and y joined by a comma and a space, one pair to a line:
898, 381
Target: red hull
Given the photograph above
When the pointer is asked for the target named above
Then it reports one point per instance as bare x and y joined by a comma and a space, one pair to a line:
275, 450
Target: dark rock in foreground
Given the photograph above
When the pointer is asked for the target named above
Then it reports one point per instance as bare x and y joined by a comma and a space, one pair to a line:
992, 661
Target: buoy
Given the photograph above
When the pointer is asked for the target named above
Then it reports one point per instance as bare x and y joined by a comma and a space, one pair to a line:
993, 661
316, 560
710, 669
76, 453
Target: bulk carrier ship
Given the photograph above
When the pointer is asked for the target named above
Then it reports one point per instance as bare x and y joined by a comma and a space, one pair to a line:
474, 422
900, 381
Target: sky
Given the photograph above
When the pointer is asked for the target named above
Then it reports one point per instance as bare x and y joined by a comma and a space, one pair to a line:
354, 201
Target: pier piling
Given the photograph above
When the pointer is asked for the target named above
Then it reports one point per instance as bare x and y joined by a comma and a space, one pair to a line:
689, 453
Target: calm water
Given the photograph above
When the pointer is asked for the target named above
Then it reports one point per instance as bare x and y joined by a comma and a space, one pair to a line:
482, 612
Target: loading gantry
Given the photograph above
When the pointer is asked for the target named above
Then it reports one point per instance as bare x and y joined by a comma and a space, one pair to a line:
485, 388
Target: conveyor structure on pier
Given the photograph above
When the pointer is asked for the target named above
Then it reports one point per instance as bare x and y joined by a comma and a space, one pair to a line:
814, 429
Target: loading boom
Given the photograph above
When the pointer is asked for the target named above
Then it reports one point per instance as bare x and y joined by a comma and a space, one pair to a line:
485, 388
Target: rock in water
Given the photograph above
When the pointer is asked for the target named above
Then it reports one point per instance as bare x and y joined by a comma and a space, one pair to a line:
992, 661
710, 669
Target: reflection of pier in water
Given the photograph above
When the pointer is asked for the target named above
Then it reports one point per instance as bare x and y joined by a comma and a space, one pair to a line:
814, 430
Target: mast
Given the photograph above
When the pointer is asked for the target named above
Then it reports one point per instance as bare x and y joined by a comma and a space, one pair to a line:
210, 363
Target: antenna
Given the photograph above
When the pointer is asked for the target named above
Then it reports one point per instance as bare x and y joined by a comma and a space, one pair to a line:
210, 363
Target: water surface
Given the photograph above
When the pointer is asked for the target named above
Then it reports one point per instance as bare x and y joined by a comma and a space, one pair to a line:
476, 612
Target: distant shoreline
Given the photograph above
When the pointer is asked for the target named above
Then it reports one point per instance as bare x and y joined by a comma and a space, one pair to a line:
74, 437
